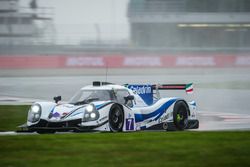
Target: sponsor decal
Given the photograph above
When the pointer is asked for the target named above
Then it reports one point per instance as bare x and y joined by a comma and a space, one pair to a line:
164, 118
195, 61
85, 62
141, 89
130, 124
142, 61
144, 91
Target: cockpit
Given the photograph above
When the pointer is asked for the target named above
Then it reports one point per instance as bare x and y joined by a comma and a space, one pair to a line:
88, 96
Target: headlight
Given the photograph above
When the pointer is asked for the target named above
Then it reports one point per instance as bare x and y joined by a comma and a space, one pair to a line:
34, 113
35, 108
93, 115
90, 108
90, 113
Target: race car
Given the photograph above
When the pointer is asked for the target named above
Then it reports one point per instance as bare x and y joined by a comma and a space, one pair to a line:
105, 106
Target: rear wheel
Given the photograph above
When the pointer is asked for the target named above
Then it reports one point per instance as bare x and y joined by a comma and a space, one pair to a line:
116, 118
180, 115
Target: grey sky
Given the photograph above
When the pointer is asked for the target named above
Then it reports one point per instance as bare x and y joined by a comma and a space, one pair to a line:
79, 18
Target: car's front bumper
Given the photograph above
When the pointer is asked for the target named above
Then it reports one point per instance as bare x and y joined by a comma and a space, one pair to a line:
63, 126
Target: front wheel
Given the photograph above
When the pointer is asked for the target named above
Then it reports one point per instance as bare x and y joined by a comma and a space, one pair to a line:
116, 118
180, 115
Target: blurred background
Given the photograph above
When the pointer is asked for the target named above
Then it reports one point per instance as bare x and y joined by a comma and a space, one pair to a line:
58, 27
51, 47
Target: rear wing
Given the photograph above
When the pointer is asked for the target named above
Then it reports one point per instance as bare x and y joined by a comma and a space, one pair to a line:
187, 87
147, 92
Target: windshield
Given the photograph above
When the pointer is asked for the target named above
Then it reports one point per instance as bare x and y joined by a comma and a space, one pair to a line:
86, 96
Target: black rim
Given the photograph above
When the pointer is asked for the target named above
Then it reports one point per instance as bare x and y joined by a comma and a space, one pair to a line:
116, 119
181, 117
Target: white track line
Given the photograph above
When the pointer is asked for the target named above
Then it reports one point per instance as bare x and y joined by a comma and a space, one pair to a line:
13, 133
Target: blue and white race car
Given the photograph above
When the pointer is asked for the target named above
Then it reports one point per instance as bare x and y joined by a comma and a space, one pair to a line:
104, 106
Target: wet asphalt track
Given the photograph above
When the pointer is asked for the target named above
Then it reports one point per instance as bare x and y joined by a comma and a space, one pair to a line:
219, 109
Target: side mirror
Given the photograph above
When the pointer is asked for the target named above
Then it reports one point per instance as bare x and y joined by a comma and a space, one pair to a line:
57, 99
128, 100
129, 97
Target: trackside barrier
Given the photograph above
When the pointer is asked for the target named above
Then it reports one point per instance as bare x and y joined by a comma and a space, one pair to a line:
122, 61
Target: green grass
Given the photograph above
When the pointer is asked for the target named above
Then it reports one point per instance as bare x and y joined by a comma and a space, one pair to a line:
127, 149
12, 116
208, 149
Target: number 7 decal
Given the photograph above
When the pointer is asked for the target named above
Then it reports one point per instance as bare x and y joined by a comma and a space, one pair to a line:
130, 124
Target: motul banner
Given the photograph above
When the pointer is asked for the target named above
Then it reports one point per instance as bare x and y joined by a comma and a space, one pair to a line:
190, 61
77, 61
123, 61
142, 61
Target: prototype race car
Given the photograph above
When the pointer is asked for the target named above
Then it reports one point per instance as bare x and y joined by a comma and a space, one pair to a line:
104, 106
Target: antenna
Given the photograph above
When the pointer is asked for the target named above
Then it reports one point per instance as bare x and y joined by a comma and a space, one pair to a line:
106, 77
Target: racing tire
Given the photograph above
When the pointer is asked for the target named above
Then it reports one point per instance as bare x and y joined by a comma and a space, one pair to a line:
116, 118
180, 115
